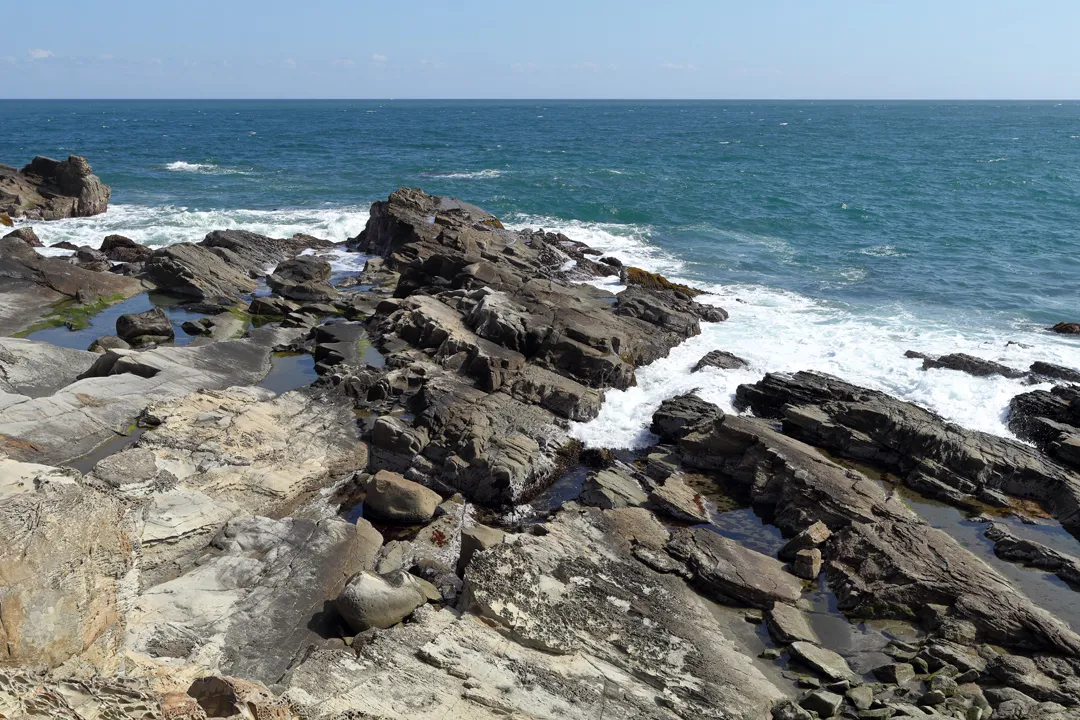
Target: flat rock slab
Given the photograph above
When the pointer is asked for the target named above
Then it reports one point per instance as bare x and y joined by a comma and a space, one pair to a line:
730, 571
73, 420
36, 369
788, 624
821, 660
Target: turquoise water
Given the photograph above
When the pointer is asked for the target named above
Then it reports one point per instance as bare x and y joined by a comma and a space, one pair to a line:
837, 234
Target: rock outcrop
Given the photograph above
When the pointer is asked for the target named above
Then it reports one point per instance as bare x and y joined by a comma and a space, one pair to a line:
48, 189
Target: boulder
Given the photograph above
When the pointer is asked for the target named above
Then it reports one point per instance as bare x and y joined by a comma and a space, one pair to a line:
821, 660
895, 673
304, 278
807, 564
253, 254
48, 189
121, 249
108, 342
392, 498
153, 323
27, 235
730, 571
477, 538
826, 704
612, 488
370, 600
721, 359
681, 415
195, 271
272, 306
787, 624
1067, 328
810, 537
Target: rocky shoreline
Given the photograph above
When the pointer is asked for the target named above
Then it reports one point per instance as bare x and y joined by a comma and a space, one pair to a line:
417, 535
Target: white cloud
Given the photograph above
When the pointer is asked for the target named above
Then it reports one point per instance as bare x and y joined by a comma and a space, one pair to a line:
378, 59
690, 67
595, 67
39, 54
343, 63
289, 63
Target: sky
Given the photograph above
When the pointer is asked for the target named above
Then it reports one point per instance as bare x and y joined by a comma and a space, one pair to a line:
776, 49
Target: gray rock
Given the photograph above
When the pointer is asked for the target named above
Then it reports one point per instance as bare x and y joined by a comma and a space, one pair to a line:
895, 673
37, 369
1033, 554
822, 702
681, 415
108, 342
27, 235
807, 564
678, 500
811, 537
370, 600
474, 539
821, 660
788, 624
392, 498
125, 250
720, 359
612, 488
194, 271
153, 322
731, 571
272, 306
862, 697
48, 189
303, 278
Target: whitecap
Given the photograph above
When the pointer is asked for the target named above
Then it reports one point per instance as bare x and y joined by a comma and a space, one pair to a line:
882, 251
467, 175
340, 259
202, 168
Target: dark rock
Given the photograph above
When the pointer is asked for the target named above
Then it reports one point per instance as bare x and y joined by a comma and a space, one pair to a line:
598, 458
303, 278
65, 245
1032, 554
272, 306
48, 189
1055, 372
914, 355
254, 254
926, 452
1067, 328
153, 322
730, 571
681, 415
121, 249
195, 328
971, 365
27, 235
195, 271
720, 359
612, 261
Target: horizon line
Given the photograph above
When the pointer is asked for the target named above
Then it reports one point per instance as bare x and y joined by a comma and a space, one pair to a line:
526, 99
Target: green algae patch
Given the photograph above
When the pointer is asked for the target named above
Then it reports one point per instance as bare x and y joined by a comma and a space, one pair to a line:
71, 314
656, 281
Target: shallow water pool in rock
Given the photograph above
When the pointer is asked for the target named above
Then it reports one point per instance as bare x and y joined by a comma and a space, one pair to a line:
104, 323
289, 371
113, 445
1043, 588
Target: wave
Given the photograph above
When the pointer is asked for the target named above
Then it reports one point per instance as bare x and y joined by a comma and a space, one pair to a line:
202, 168
165, 225
780, 331
469, 175
882, 251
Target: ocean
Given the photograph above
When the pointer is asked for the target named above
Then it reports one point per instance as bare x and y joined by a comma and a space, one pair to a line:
838, 235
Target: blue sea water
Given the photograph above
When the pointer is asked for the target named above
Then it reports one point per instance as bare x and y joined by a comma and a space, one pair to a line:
837, 234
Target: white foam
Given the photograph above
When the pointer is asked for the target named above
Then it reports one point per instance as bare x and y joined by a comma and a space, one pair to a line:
166, 225
628, 243
340, 259
202, 168
779, 331
472, 175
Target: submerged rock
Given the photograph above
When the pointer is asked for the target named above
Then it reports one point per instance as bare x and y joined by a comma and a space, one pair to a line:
48, 189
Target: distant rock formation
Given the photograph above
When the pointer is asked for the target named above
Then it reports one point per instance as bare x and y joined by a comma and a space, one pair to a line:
48, 189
